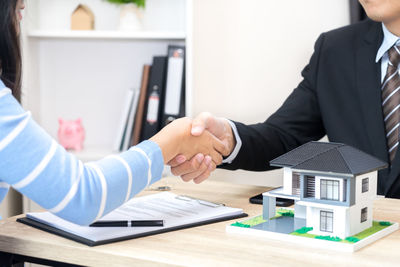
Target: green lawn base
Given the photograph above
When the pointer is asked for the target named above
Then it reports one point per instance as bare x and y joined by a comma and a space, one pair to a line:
329, 238
254, 221
239, 224
285, 212
376, 227
303, 230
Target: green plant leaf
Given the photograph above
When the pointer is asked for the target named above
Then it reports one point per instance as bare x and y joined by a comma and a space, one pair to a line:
139, 3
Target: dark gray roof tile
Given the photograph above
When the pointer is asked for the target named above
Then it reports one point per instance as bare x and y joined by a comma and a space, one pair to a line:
360, 162
329, 157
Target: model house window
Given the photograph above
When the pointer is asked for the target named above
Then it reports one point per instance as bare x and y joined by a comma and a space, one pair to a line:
364, 214
365, 185
296, 184
310, 186
326, 221
344, 190
329, 189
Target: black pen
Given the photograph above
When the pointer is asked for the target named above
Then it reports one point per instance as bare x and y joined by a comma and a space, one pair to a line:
136, 223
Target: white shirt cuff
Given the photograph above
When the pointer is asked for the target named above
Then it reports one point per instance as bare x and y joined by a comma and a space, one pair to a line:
235, 151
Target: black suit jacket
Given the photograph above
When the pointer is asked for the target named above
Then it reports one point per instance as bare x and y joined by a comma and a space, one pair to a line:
339, 96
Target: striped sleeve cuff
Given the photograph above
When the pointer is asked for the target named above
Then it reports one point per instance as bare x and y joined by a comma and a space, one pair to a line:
154, 154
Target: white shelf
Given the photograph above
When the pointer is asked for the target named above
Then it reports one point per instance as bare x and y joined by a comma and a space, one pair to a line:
145, 35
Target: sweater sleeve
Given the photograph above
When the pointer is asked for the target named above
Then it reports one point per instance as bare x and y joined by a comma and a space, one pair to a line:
37, 166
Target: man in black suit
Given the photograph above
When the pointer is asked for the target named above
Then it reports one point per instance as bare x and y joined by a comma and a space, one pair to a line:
341, 96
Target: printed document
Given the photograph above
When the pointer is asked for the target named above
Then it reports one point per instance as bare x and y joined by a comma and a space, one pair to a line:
177, 212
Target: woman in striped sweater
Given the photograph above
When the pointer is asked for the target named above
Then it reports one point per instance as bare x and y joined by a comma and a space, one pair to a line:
35, 165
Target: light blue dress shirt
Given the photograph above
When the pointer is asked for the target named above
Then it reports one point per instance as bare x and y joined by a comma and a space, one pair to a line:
389, 39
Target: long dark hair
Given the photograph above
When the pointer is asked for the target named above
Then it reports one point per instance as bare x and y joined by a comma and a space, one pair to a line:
10, 53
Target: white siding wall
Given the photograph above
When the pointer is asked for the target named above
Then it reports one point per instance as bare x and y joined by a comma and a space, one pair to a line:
300, 211
340, 217
287, 181
312, 218
339, 222
355, 218
363, 200
369, 196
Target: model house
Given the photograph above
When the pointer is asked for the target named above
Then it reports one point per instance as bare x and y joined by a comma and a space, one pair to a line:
333, 186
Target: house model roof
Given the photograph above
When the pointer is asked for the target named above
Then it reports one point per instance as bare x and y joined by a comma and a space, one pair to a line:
329, 157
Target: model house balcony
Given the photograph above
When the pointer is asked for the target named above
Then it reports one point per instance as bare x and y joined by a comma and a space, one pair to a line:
279, 192
327, 190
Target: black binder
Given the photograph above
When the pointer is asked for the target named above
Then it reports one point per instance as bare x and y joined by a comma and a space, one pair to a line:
154, 100
174, 100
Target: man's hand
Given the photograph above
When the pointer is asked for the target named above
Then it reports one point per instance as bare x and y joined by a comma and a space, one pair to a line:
176, 139
219, 127
200, 167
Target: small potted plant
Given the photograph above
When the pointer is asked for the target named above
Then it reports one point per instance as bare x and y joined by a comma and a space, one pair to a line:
131, 14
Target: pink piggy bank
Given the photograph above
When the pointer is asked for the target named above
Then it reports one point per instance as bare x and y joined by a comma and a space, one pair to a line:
71, 134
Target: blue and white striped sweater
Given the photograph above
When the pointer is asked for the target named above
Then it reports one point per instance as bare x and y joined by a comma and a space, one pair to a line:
35, 165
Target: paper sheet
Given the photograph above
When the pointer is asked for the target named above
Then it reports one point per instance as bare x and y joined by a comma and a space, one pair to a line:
173, 209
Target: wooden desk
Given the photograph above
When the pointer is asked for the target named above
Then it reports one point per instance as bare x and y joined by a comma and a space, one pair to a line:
207, 245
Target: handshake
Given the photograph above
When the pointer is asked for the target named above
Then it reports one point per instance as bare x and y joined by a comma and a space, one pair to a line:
193, 148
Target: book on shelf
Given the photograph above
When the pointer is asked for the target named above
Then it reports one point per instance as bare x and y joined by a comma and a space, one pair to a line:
174, 100
154, 99
123, 119
126, 137
137, 126
161, 99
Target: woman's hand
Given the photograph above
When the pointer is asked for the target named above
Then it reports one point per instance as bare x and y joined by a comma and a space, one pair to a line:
200, 166
176, 138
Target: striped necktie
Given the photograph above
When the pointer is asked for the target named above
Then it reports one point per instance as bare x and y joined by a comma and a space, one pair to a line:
391, 101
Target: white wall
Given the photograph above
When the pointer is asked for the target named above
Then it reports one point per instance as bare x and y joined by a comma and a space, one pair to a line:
248, 55
369, 196
287, 180
339, 220
356, 226
363, 200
